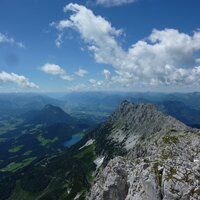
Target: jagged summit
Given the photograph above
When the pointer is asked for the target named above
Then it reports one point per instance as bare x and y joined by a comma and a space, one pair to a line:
131, 122
125, 103
161, 161
127, 106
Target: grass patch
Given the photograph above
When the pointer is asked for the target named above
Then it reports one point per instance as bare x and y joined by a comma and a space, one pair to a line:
43, 141
157, 173
15, 149
9, 126
169, 139
90, 177
86, 151
166, 154
13, 167
172, 171
146, 160
27, 153
36, 128
6, 128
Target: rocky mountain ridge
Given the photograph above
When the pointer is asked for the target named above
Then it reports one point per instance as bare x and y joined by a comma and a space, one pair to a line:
162, 160
132, 122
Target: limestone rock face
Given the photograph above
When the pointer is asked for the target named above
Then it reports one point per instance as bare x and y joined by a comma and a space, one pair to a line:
133, 122
115, 182
154, 176
162, 160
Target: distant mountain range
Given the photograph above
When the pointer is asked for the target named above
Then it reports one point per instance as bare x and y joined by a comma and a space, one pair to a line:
183, 106
97, 106
13, 104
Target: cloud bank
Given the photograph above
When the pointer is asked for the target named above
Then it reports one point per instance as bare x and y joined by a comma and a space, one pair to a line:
54, 69
164, 58
20, 80
5, 39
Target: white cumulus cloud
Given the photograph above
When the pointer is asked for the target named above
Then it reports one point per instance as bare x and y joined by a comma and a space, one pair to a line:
166, 57
95, 83
81, 72
6, 39
94, 29
54, 69
106, 73
20, 80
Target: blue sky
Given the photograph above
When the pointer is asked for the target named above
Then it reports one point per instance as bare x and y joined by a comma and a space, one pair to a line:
128, 45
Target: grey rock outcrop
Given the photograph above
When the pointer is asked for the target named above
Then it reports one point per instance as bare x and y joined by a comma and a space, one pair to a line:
133, 122
162, 162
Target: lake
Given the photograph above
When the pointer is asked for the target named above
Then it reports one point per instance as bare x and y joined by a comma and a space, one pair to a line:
75, 138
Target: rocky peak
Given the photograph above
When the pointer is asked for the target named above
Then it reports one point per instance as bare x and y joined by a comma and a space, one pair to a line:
162, 159
132, 122
125, 103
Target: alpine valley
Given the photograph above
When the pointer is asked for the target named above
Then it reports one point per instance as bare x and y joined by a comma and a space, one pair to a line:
100, 146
